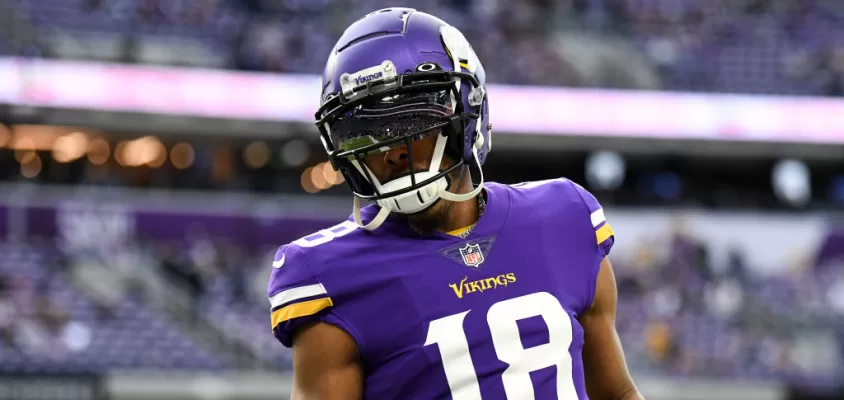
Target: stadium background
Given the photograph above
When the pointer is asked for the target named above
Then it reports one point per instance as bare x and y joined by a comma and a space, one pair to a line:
156, 152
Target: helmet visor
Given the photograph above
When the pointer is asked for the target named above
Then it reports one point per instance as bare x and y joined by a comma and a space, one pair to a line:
408, 116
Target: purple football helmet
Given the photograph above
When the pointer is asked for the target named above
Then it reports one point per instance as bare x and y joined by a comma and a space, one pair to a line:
395, 76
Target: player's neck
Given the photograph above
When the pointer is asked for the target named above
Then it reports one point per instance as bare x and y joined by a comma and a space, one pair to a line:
460, 214
449, 216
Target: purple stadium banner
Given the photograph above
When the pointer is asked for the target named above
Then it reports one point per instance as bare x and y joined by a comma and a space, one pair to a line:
90, 227
101, 217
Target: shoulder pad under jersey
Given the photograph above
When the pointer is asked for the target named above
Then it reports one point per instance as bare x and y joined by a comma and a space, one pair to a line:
297, 295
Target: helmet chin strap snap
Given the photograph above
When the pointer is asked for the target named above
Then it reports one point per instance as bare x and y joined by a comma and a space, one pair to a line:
375, 223
422, 198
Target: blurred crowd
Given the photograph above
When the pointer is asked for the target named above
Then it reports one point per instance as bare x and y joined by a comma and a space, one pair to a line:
752, 46
36, 315
60, 312
680, 313
202, 264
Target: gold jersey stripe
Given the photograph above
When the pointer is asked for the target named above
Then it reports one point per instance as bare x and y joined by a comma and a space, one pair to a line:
458, 232
604, 233
302, 309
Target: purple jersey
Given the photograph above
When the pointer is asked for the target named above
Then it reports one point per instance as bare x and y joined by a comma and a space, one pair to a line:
491, 316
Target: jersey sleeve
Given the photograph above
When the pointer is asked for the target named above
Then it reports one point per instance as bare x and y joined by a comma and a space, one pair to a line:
297, 297
604, 235
604, 238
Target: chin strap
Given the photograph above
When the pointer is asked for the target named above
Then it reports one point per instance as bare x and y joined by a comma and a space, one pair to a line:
375, 223
446, 195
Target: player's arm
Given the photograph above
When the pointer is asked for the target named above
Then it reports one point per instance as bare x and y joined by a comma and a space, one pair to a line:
605, 369
325, 356
604, 366
325, 364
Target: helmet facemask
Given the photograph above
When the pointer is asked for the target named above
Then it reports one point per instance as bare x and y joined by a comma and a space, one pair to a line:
417, 106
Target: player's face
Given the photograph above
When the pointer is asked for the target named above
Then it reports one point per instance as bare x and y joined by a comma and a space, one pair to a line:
396, 163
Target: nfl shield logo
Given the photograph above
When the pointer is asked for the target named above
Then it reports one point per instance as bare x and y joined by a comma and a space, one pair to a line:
472, 255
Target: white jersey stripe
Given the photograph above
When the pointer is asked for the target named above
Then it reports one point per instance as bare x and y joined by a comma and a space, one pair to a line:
297, 293
598, 217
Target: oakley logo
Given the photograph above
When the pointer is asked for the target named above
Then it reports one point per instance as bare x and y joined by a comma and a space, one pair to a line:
360, 80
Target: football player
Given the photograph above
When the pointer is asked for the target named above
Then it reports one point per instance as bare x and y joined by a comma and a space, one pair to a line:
442, 289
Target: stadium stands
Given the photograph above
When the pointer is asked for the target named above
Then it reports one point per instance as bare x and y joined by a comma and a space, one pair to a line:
47, 325
680, 314
765, 47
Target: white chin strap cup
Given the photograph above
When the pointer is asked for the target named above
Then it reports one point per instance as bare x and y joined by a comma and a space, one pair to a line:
420, 199
413, 201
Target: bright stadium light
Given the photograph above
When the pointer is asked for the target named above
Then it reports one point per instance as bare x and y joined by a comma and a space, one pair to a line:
160, 155
98, 151
328, 173
605, 170
308, 182
318, 178
24, 149
5, 135
31, 167
135, 153
70, 147
256, 155
182, 155
295, 153
791, 181
24, 156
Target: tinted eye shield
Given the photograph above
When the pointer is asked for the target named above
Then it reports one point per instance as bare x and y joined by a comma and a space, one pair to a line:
360, 153
383, 120
384, 115
415, 84
366, 145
